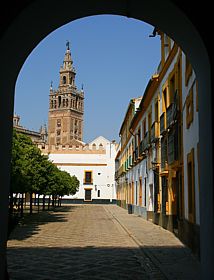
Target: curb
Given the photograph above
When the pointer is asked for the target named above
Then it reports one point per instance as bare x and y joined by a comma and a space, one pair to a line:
143, 251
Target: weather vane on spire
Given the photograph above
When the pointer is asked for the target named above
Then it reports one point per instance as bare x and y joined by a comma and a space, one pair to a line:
68, 45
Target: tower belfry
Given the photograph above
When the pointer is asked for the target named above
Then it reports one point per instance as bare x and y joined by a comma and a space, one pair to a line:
66, 106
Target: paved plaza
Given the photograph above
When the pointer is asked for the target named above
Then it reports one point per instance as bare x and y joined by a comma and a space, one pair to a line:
96, 242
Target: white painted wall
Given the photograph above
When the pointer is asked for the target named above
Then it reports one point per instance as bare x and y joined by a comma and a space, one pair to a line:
190, 140
103, 176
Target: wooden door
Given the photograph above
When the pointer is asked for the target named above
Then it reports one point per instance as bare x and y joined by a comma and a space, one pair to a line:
140, 193
87, 194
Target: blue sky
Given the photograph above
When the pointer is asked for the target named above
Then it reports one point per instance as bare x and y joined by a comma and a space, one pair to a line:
114, 58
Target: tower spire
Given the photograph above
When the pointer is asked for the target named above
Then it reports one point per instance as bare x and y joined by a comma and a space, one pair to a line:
67, 63
68, 45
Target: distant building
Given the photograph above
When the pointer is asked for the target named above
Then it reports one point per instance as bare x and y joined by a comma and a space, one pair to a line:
66, 107
37, 137
93, 164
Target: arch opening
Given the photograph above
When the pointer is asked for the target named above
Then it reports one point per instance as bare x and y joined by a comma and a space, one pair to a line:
15, 37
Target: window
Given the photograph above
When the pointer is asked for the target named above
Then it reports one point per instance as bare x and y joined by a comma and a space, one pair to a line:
172, 148
136, 191
58, 123
165, 202
98, 193
88, 177
59, 101
140, 191
58, 140
164, 153
189, 108
172, 88
145, 192
188, 71
144, 127
138, 137
58, 132
191, 186
132, 196
156, 111
156, 194
149, 123
165, 100
64, 80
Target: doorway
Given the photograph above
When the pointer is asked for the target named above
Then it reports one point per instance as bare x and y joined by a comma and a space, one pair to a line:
88, 195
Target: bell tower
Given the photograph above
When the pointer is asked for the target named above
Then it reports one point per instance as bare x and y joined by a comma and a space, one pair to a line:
66, 107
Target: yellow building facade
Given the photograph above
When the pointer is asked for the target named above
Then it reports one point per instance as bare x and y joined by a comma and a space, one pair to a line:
157, 176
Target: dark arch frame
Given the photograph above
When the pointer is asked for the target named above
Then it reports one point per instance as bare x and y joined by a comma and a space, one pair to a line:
38, 18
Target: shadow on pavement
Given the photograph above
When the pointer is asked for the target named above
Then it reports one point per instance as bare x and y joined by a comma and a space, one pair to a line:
92, 263
29, 224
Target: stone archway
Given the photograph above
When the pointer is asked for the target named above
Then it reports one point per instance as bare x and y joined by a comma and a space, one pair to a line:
39, 18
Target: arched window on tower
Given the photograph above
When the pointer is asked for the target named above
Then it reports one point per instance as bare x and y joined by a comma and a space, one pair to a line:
64, 80
59, 101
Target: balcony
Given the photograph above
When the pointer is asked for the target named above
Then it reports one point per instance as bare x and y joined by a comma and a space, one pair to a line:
172, 148
130, 161
154, 131
171, 115
146, 141
141, 148
164, 155
121, 170
127, 164
135, 155
163, 123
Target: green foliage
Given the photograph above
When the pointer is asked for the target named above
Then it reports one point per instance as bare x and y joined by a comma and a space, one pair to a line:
32, 172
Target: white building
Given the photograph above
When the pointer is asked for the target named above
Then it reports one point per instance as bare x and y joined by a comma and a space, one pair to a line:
190, 147
94, 166
158, 170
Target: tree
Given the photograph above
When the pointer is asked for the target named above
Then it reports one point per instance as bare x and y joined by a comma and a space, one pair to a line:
32, 172
19, 183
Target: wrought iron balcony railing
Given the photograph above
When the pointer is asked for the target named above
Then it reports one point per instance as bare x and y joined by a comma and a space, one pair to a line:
163, 123
171, 115
154, 131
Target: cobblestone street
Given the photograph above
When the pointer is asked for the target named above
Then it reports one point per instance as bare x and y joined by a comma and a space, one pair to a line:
95, 242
